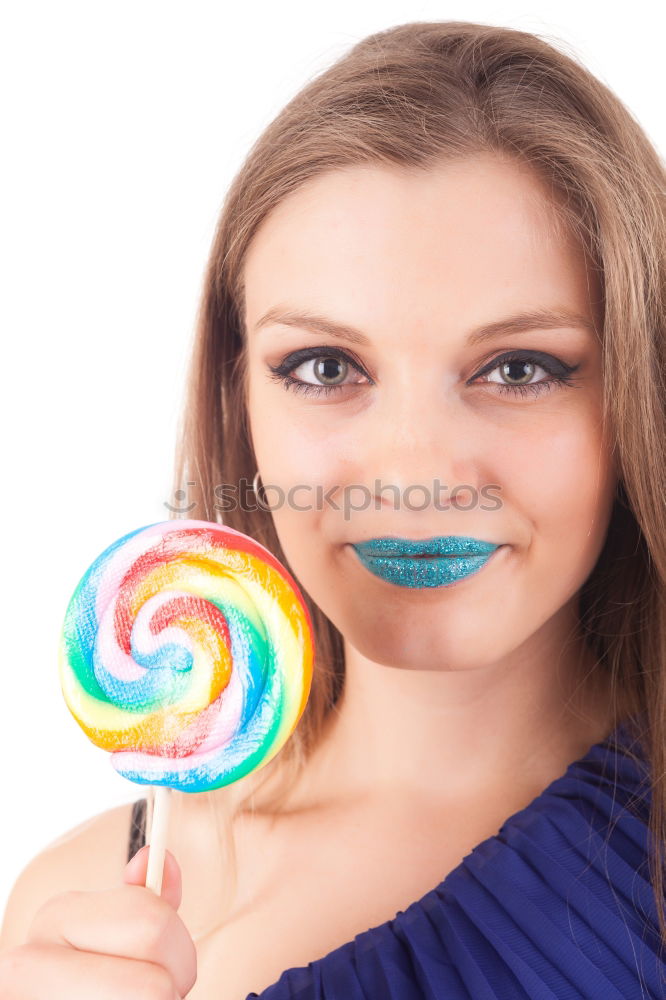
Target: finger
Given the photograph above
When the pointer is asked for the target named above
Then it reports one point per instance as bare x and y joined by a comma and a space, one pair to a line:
172, 883
61, 973
128, 922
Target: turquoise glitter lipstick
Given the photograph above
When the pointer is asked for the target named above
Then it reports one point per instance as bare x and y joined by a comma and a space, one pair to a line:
427, 562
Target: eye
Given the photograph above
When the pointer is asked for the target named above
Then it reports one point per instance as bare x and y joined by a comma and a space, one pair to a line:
517, 370
330, 370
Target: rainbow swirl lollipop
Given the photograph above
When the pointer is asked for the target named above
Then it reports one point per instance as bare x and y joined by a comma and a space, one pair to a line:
187, 652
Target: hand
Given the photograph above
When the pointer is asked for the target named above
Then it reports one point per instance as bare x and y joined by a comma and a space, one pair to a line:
114, 944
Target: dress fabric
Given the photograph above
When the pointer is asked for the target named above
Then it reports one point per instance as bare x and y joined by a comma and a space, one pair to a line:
557, 905
137, 834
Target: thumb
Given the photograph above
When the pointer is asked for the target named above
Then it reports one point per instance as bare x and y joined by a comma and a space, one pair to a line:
172, 884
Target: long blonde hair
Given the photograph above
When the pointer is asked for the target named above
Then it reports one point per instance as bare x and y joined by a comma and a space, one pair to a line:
417, 95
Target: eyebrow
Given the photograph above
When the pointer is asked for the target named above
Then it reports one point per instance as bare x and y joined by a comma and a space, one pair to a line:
534, 319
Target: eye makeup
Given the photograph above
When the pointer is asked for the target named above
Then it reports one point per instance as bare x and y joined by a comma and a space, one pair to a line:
560, 373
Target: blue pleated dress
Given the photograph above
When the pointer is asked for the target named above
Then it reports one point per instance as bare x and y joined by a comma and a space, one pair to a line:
556, 906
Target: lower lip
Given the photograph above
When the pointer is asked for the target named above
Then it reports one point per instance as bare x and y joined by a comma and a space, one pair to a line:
426, 571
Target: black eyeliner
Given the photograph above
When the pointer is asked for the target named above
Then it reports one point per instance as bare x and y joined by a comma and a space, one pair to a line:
297, 358
551, 364
559, 371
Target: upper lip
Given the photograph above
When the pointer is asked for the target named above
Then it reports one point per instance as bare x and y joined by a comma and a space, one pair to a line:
442, 545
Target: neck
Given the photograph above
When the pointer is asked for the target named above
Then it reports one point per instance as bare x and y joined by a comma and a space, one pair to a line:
444, 733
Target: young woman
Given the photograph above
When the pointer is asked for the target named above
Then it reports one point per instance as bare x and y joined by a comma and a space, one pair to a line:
432, 330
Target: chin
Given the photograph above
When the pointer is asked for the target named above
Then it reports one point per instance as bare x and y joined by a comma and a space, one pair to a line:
414, 646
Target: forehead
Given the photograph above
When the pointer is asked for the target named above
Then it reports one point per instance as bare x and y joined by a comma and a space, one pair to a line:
473, 236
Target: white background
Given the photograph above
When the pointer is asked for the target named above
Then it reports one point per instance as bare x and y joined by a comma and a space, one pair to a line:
123, 124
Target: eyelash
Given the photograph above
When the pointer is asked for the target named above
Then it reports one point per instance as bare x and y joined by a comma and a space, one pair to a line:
281, 372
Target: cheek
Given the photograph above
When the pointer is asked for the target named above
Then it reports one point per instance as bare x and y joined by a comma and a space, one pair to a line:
562, 479
296, 443
300, 455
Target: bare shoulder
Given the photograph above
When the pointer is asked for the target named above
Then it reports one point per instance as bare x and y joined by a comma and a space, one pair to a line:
88, 857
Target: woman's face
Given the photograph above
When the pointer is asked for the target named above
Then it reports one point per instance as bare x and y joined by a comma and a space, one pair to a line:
420, 427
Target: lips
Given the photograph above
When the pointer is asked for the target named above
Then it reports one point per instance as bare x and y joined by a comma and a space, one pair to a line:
421, 563
443, 545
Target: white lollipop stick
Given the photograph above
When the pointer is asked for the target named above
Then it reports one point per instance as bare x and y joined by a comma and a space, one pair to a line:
157, 838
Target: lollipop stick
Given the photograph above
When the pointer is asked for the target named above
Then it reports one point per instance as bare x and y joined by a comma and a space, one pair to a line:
157, 838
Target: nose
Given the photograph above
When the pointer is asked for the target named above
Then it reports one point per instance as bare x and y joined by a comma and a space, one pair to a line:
418, 435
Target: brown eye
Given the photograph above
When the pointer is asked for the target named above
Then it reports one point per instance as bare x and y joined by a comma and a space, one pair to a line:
327, 370
517, 372
323, 374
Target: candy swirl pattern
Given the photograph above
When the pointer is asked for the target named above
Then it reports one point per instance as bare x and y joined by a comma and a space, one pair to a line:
187, 652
